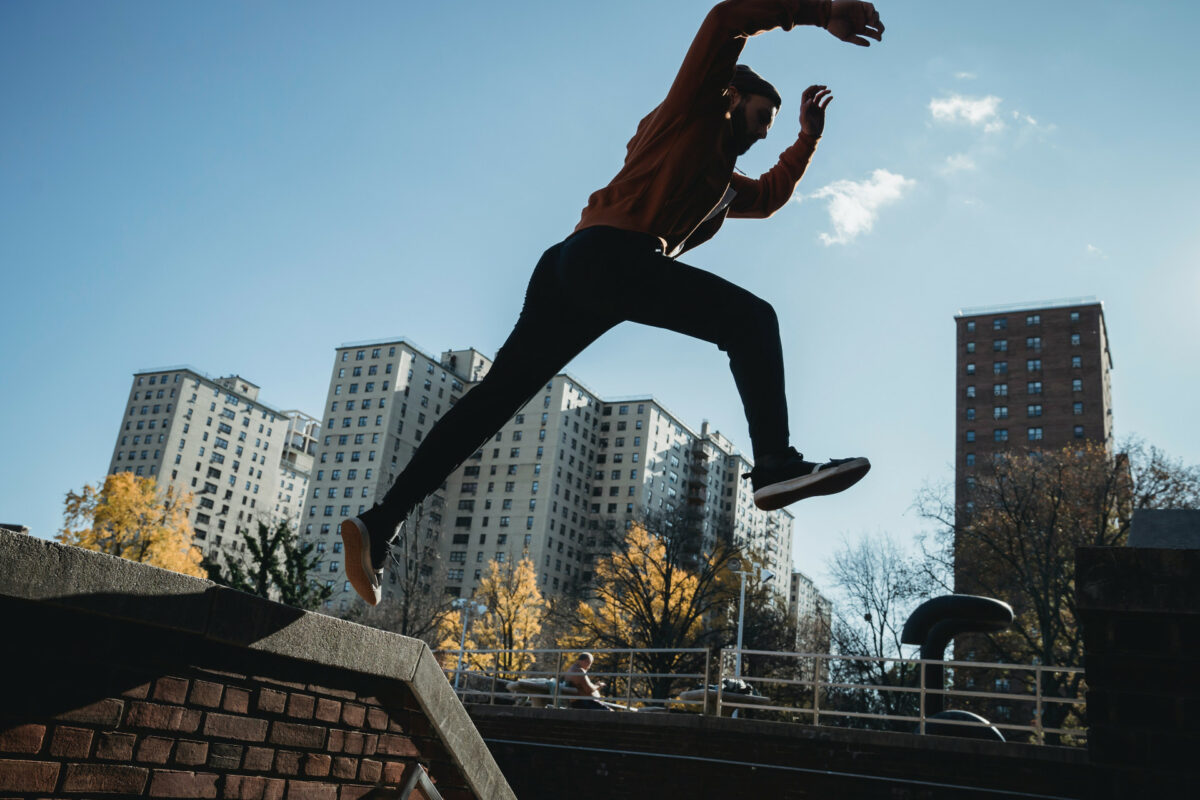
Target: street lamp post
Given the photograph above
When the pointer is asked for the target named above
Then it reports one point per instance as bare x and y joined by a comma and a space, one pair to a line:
766, 575
466, 605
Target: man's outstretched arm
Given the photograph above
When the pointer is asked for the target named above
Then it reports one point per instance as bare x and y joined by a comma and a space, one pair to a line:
709, 64
763, 197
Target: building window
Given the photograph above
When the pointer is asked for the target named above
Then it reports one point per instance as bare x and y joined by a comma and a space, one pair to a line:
1077, 409
970, 347
970, 369
1077, 385
1034, 387
970, 414
999, 367
970, 436
1000, 435
1074, 316
999, 390
999, 323
1034, 411
971, 391
1033, 342
1075, 340
971, 326
1033, 365
1078, 431
1000, 346
1035, 434
970, 459
1076, 362
1033, 319
1000, 412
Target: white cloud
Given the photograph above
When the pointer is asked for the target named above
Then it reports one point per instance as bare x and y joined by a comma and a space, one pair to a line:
1095, 252
974, 111
966, 76
959, 162
854, 205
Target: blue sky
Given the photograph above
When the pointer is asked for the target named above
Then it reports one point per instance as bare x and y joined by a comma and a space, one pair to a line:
244, 186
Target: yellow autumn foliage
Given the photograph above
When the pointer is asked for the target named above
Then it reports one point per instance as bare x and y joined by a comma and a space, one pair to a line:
513, 620
131, 518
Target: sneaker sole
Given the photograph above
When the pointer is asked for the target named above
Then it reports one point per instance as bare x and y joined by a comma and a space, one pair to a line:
358, 560
827, 481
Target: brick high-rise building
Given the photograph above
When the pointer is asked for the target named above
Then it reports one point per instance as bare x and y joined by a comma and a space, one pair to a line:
1029, 377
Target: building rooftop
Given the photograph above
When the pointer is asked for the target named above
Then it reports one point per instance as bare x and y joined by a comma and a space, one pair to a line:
1065, 302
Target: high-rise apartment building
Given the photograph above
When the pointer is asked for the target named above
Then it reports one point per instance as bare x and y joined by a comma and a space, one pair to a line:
214, 438
812, 613
557, 483
295, 467
1029, 377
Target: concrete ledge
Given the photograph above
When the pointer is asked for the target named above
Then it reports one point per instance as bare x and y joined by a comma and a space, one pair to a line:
48, 573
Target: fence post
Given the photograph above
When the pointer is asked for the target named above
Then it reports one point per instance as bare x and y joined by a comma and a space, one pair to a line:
706, 684
629, 680
1037, 691
922, 697
816, 688
720, 684
557, 669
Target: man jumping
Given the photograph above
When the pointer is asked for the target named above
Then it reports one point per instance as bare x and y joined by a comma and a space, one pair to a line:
675, 190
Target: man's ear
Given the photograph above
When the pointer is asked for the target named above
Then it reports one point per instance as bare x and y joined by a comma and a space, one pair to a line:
734, 97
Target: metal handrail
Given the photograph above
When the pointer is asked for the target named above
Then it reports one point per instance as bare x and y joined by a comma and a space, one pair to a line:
1037, 698
535, 670
550, 663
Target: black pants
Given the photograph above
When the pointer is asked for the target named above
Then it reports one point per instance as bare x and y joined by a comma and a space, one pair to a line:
582, 287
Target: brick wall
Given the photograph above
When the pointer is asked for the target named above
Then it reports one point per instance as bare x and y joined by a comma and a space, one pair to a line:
594, 755
142, 713
1140, 612
122, 679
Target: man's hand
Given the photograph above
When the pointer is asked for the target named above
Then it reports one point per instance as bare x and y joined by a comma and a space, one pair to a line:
851, 20
812, 110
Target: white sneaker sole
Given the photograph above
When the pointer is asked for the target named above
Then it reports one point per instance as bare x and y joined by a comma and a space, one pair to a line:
357, 545
826, 481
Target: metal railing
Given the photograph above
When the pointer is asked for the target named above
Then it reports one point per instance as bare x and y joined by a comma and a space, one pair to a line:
812, 688
824, 687
636, 678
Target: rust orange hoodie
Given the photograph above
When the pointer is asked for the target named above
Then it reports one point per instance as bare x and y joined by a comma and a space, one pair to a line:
679, 164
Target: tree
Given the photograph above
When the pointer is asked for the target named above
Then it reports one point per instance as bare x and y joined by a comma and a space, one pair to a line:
512, 622
280, 567
879, 587
130, 517
1031, 511
654, 592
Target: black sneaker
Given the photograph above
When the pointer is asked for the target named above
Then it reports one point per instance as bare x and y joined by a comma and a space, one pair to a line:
366, 555
783, 481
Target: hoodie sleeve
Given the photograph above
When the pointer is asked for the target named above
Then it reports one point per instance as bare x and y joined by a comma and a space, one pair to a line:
709, 64
763, 196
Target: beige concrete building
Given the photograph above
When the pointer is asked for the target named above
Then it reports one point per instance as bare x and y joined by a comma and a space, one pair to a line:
212, 437
812, 611
563, 476
383, 397
295, 467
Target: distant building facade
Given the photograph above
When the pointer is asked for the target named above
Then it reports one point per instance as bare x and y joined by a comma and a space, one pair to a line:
812, 613
558, 483
1028, 377
214, 438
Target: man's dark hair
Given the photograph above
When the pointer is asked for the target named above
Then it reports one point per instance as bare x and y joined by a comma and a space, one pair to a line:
747, 81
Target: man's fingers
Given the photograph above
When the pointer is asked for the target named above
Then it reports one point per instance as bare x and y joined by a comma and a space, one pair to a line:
825, 101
